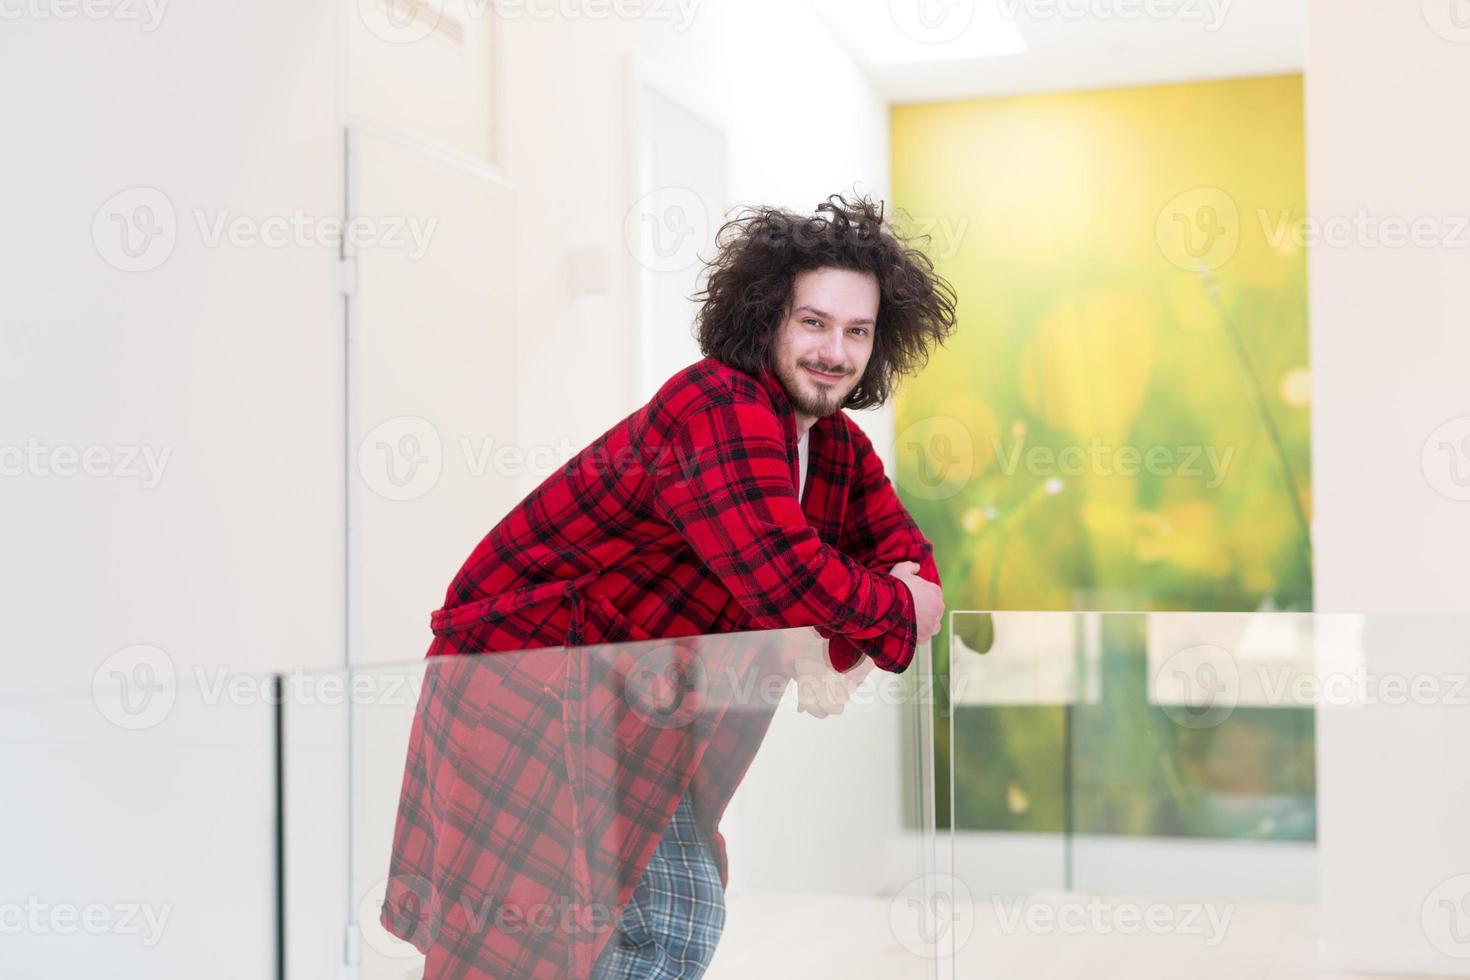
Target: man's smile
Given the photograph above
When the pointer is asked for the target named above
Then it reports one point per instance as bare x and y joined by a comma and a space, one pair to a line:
824, 377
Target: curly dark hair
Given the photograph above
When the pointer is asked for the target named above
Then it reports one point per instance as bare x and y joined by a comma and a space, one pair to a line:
750, 281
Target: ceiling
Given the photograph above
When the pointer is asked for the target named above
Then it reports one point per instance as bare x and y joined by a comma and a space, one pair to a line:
937, 50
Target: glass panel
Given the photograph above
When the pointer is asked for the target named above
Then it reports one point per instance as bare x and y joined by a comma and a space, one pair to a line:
506, 810
139, 817
1209, 794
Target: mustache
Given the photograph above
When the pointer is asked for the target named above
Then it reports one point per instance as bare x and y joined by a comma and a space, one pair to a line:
824, 370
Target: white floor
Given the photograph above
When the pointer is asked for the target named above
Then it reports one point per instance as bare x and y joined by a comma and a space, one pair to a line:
814, 937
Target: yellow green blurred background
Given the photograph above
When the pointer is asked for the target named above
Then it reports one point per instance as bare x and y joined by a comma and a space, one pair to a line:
1121, 420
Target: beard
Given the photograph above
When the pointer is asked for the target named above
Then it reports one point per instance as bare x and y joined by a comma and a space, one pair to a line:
806, 395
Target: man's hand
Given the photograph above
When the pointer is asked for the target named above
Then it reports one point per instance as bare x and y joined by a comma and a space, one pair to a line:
928, 597
820, 690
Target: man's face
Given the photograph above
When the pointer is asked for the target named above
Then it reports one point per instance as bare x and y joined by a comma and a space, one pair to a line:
823, 344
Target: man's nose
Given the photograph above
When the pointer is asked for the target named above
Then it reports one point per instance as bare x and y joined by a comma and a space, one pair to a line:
833, 351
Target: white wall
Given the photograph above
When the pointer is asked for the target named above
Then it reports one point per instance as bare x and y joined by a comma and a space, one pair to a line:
1388, 325
803, 123
1388, 349
229, 359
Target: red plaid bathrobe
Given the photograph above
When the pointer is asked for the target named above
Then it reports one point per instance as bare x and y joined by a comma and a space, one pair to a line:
538, 784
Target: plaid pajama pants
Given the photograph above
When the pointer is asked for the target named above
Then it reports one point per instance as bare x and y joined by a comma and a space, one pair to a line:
670, 927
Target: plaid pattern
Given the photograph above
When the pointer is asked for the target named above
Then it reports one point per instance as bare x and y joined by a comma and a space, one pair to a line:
670, 929
543, 779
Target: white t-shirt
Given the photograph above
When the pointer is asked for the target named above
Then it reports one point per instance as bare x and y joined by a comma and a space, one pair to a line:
801, 453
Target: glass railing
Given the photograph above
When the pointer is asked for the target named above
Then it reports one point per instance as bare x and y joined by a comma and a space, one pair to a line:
474, 815
140, 818
505, 807
1206, 794
1197, 794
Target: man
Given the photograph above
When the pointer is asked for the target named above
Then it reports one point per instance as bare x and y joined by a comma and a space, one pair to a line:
740, 498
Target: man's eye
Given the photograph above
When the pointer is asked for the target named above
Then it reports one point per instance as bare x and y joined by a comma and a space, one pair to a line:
812, 320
